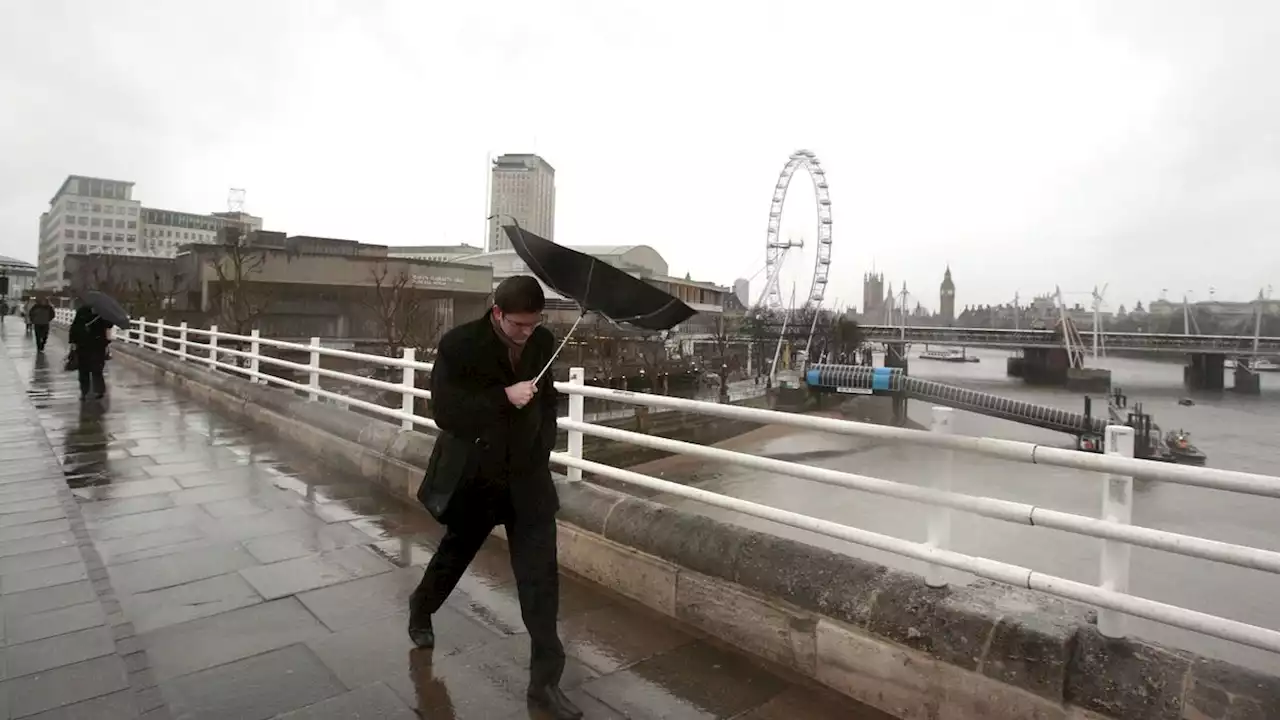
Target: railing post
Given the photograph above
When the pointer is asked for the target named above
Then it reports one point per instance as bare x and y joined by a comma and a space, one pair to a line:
160, 343
142, 332
213, 347
1117, 507
254, 346
407, 380
182, 340
314, 379
577, 376
939, 518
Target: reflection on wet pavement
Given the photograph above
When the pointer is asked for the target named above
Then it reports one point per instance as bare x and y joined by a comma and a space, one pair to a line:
159, 561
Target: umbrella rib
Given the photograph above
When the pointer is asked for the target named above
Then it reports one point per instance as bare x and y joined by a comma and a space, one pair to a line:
631, 318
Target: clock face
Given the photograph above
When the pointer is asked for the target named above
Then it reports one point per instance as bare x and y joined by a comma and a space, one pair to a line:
948, 293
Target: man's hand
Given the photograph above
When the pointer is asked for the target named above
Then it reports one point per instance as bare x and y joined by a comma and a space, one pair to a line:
521, 393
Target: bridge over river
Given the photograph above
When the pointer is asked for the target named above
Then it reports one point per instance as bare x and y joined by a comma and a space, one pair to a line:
1046, 359
1226, 345
737, 604
161, 560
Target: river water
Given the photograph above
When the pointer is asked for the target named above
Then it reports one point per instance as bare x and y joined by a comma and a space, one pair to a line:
1236, 432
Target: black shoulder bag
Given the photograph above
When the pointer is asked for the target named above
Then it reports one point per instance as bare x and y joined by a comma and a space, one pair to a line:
454, 461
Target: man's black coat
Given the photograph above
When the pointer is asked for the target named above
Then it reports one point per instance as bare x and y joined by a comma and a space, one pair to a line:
511, 445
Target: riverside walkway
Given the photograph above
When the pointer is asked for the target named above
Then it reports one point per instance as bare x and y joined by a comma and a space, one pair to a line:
159, 561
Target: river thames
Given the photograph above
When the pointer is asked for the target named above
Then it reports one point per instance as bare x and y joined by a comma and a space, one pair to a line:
1236, 432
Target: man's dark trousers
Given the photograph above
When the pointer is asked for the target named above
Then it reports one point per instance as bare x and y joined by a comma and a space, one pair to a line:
532, 542
42, 335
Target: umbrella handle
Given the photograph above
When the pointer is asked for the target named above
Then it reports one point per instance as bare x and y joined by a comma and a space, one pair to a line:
556, 354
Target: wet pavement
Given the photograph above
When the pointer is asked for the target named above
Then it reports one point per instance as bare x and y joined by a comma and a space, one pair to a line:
159, 561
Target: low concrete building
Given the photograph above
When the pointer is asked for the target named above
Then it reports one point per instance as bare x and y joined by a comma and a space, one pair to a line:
437, 253
297, 287
17, 278
334, 296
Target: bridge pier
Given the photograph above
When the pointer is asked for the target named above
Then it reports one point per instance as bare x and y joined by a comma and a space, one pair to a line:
1044, 366
1051, 366
1014, 366
1246, 379
1205, 372
1089, 380
895, 356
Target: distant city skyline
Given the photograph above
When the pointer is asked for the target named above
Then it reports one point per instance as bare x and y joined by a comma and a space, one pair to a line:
503, 196
1039, 145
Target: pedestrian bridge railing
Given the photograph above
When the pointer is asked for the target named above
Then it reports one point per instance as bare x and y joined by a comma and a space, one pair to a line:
244, 355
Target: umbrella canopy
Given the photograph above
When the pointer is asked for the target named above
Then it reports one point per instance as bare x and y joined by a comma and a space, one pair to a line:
106, 307
598, 286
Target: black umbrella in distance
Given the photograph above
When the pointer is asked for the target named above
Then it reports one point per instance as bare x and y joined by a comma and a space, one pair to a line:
596, 286
106, 307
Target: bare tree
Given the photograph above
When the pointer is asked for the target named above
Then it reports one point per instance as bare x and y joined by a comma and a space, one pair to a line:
406, 316
241, 301
601, 339
97, 272
845, 339
723, 337
653, 357
151, 297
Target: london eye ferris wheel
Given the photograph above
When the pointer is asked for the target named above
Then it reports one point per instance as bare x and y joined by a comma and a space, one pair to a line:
787, 261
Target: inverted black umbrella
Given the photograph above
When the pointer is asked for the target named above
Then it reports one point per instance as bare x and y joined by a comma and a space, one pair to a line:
596, 286
106, 307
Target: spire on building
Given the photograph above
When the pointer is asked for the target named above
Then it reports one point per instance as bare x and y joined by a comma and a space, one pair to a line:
947, 294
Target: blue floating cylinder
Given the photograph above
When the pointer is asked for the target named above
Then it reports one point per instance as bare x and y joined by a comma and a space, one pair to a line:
881, 378
813, 377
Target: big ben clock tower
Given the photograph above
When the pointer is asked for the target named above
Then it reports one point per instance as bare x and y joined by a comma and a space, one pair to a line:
948, 299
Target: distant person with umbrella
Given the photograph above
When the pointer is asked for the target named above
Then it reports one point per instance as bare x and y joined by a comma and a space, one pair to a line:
40, 316
490, 467
89, 339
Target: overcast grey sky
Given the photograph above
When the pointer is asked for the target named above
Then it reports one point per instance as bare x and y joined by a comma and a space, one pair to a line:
1029, 144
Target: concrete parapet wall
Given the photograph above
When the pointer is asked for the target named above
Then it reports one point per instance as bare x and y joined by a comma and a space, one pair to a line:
978, 652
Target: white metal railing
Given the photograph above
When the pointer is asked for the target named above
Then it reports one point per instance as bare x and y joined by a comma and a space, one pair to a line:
1117, 469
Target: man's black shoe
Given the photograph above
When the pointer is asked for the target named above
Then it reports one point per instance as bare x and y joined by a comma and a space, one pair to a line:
553, 700
421, 632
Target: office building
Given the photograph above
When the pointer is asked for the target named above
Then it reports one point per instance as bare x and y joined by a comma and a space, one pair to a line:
522, 186
93, 216
87, 214
163, 232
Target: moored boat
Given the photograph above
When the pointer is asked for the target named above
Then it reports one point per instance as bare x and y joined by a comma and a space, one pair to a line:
1178, 443
946, 355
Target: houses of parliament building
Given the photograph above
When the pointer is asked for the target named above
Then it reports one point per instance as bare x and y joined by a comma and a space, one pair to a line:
880, 305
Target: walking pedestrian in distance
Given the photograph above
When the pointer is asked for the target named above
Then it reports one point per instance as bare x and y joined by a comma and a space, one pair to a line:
88, 338
497, 432
40, 316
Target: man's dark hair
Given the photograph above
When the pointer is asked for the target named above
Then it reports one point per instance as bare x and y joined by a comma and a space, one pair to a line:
519, 294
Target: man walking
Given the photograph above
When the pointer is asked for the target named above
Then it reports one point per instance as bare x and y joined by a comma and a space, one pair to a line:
40, 315
484, 398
